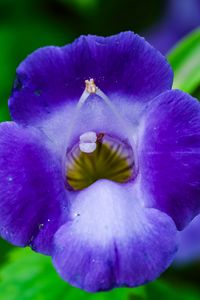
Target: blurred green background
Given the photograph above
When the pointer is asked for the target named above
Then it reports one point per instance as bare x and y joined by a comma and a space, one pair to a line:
27, 25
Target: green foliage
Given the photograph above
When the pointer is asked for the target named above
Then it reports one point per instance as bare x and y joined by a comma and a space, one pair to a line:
83, 6
185, 61
160, 289
28, 276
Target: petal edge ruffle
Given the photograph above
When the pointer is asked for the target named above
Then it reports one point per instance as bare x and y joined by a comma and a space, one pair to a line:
53, 76
30, 188
169, 156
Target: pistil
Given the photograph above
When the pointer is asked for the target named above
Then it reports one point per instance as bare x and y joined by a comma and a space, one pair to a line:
87, 142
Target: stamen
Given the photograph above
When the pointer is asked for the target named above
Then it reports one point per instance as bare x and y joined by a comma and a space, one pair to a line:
82, 99
90, 86
115, 111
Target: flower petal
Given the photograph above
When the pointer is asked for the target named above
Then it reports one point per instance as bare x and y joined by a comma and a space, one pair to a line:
170, 156
189, 244
30, 188
111, 241
54, 76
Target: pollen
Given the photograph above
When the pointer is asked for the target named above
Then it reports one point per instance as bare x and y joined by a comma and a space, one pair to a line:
90, 86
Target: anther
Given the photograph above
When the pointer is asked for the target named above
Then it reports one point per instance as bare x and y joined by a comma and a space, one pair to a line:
90, 86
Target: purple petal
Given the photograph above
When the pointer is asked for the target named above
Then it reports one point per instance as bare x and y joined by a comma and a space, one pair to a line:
189, 245
30, 188
170, 156
112, 241
123, 64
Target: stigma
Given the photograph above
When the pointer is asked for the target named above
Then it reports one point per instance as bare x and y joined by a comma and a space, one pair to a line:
87, 142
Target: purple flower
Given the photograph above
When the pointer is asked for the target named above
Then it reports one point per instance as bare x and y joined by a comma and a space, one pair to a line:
189, 244
101, 163
181, 17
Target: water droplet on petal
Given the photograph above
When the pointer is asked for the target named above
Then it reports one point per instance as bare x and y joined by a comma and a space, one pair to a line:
40, 226
77, 215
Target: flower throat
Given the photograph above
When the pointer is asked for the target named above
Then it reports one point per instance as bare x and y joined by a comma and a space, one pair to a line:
110, 159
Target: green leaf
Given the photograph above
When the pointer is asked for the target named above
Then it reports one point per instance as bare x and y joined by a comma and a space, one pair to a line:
83, 6
185, 61
28, 276
161, 289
